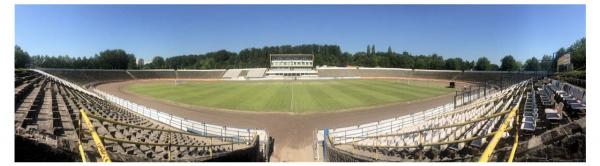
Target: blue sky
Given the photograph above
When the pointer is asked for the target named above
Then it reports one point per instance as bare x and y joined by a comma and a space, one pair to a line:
466, 31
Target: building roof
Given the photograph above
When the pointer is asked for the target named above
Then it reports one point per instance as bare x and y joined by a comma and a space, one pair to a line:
291, 54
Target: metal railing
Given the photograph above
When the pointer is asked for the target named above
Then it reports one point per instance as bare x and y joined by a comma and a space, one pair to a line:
193, 127
391, 125
501, 130
95, 137
423, 132
349, 135
98, 139
188, 125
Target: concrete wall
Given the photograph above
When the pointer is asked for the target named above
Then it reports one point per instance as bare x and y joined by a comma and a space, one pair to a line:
476, 76
251, 154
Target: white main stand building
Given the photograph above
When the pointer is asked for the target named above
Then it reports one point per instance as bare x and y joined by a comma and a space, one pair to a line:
294, 65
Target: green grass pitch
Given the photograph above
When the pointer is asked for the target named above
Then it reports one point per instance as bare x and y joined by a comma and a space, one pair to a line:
291, 96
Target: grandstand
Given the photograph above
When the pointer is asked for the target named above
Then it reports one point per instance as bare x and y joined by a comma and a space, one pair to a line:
256, 73
199, 74
472, 131
61, 115
481, 123
475, 76
232, 73
283, 65
407, 135
153, 74
89, 77
245, 73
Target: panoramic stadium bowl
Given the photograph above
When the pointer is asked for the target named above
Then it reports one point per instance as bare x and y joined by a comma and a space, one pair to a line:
288, 117
297, 97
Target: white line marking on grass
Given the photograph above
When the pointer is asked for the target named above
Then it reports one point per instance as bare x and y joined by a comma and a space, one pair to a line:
292, 100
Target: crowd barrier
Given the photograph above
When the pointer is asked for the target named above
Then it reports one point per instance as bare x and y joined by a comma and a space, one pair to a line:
64, 82
174, 121
343, 135
186, 124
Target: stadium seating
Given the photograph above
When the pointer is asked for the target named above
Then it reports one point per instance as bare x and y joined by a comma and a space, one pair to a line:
200, 74
245, 73
153, 74
445, 136
530, 114
477, 76
89, 76
462, 133
256, 73
232, 73
572, 98
49, 112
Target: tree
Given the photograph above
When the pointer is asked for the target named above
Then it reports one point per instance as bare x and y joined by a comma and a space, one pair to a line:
468, 65
577, 51
115, 59
108, 59
131, 64
436, 62
509, 64
158, 62
546, 64
454, 64
483, 64
405, 60
373, 50
22, 59
208, 63
532, 64
494, 67
421, 62
330, 55
559, 53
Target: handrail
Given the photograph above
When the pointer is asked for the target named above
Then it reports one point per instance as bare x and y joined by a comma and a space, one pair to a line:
516, 143
494, 98
511, 157
155, 129
478, 102
81, 152
99, 146
104, 154
460, 110
512, 94
162, 144
79, 144
182, 123
432, 144
492, 145
440, 127
507, 104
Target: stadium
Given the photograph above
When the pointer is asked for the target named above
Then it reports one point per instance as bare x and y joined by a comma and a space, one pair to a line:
192, 83
292, 111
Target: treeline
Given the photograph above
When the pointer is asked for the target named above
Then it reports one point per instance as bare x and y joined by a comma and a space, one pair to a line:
108, 59
325, 55
577, 52
249, 58
548, 63
329, 55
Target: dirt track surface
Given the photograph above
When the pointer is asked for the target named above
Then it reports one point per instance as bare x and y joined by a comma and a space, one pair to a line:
293, 133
